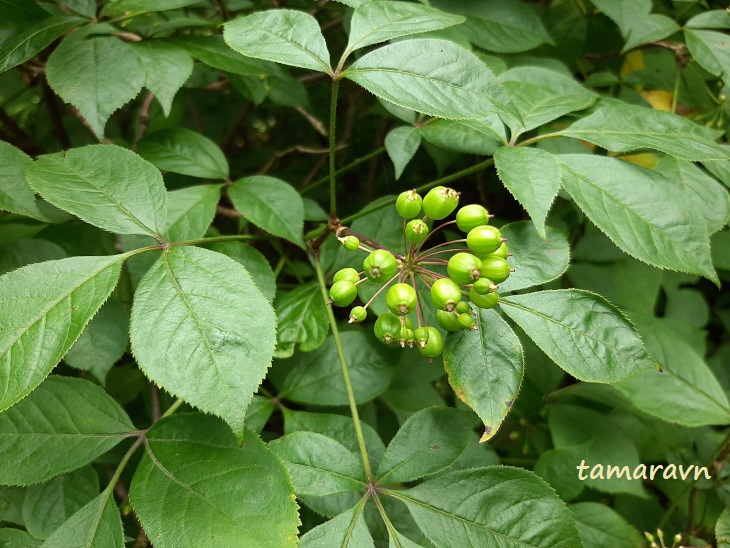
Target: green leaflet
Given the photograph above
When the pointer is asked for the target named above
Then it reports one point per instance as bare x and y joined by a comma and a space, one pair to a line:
710, 49
599, 525
31, 38
303, 320
190, 212
402, 143
96, 525
184, 151
166, 69
346, 530
722, 529
15, 194
259, 269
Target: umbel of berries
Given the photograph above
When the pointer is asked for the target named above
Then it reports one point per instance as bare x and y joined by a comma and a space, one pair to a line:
458, 275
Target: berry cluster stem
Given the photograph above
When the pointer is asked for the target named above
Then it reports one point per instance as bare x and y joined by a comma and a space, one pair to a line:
333, 144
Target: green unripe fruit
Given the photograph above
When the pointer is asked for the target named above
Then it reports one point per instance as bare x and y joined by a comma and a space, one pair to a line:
471, 216
421, 336
484, 301
484, 285
401, 299
466, 321
408, 204
484, 239
343, 293
347, 274
380, 265
358, 314
416, 231
502, 251
405, 337
445, 294
434, 346
408, 322
351, 243
440, 202
464, 268
387, 328
447, 321
463, 308
496, 269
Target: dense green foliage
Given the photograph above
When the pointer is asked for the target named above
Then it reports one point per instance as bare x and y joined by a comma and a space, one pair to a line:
181, 180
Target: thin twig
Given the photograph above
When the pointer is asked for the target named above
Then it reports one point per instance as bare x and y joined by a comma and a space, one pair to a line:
144, 119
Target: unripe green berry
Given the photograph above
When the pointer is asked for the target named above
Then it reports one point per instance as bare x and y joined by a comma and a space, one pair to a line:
448, 321
496, 269
440, 202
347, 274
484, 285
445, 294
416, 231
408, 204
408, 322
401, 299
387, 328
421, 336
464, 268
466, 321
343, 293
463, 308
434, 346
358, 314
380, 265
502, 251
471, 216
405, 337
484, 301
351, 243
484, 239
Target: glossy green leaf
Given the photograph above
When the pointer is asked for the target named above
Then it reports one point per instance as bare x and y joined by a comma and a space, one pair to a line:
685, 392
29, 39
638, 25
97, 75
462, 136
485, 368
44, 307
213, 51
119, 7
650, 28
166, 69
316, 377
11, 504
104, 185
258, 267
533, 177
17, 538
402, 143
258, 413
96, 525
303, 320
712, 19
213, 491
64, 424
28, 251
346, 530
15, 194
87, 8
436, 77
722, 529
213, 331
428, 442
581, 332
710, 49
103, 342
535, 260
48, 505
490, 507
380, 21
184, 151
318, 464
620, 127
20, 11
190, 211
600, 525
412, 388
640, 211
270, 204
504, 26
283, 36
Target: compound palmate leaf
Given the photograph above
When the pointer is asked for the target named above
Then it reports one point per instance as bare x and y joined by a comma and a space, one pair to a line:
44, 307
490, 507
64, 424
201, 329
213, 492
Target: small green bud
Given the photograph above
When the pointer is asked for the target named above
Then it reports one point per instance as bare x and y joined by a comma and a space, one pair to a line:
347, 274
358, 314
484, 285
408, 204
434, 346
440, 202
484, 301
471, 216
387, 328
416, 231
401, 299
448, 321
343, 293
464, 268
380, 265
351, 243
445, 294
496, 269
484, 239
463, 308
421, 336
466, 321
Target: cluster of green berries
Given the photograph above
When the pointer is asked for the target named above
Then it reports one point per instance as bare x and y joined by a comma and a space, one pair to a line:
473, 272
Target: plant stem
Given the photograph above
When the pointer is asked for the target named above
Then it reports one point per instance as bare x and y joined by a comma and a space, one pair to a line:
345, 372
227, 238
439, 227
174, 407
379, 291
344, 169
125, 460
333, 144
